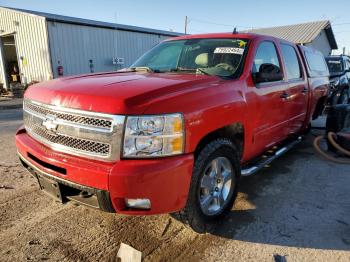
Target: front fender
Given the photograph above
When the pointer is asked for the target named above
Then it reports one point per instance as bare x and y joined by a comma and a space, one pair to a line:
206, 109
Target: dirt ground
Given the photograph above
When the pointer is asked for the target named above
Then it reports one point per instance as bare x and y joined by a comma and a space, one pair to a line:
295, 210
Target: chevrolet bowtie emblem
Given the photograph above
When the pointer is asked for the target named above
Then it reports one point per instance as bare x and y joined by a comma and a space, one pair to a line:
50, 123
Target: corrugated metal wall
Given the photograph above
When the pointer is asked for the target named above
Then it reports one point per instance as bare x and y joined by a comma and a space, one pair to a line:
75, 45
31, 42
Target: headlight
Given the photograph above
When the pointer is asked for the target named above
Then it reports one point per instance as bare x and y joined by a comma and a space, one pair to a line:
153, 136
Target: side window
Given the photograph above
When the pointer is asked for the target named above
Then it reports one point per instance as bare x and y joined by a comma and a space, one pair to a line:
266, 54
291, 61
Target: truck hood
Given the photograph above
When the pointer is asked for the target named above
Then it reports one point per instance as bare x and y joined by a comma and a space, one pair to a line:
335, 74
115, 93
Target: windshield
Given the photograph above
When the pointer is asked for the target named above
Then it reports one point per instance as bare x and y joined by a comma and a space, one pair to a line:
335, 65
220, 57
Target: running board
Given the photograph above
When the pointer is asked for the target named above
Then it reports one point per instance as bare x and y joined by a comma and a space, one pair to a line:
265, 161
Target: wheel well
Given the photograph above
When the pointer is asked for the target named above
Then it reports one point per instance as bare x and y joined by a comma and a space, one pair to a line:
319, 107
233, 132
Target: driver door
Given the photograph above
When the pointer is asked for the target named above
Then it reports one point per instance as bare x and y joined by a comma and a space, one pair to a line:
270, 106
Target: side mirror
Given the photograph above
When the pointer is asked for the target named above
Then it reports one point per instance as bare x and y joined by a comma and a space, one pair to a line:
268, 73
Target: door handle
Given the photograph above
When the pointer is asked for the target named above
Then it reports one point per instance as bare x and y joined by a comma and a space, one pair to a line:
305, 90
284, 95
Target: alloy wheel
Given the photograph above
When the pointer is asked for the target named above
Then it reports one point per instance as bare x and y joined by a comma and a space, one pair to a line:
216, 185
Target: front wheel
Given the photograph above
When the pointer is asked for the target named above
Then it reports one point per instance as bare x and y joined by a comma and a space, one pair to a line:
214, 184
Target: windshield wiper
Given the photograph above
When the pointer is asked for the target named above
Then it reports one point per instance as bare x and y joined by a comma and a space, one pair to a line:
202, 70
143, 68
182, 69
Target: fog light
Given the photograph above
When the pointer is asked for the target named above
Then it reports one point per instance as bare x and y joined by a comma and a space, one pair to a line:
138, 203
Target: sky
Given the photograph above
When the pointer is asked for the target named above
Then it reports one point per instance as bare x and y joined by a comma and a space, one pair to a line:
203, 16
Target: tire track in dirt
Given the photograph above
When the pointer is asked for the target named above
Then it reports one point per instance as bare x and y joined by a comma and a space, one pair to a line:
27, 210
177, 243
104, 243
17, 180
31, 238
100, 239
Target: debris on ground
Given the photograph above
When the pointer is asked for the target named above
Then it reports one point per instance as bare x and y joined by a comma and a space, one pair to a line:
34, 242
6, 187
127, 253
279, 258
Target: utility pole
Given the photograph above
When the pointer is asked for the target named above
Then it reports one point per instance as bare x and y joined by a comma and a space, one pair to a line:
186, 22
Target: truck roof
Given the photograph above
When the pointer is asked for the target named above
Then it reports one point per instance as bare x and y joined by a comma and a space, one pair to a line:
226, 35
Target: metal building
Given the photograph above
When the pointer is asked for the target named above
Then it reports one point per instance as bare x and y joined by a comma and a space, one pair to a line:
36, 46
318, 35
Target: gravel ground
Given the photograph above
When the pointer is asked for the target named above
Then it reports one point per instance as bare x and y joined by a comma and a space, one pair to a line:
295, 210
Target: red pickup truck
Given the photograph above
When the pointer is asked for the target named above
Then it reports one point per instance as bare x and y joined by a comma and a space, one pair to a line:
174, 132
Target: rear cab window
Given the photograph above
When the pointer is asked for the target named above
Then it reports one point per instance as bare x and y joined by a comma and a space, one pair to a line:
315, 61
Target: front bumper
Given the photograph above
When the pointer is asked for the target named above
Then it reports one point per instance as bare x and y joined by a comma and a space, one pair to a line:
164, 181
65, 190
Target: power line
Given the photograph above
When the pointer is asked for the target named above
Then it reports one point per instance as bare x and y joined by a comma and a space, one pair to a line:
339, 32
198, 31
218, 24
347, 23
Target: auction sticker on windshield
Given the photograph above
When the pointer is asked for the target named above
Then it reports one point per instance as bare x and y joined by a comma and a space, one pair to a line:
229, 50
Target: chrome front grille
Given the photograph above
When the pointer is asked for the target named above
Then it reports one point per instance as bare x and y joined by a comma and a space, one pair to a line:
76, 132
67, 141
69, 117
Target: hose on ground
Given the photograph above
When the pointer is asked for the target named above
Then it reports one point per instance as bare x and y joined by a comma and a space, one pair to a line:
331, 139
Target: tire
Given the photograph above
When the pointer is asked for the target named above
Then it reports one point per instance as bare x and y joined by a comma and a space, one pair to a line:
344, 98
196, 214
307, 130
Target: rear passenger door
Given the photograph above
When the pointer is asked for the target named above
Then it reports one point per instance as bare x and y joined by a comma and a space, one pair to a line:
298, 88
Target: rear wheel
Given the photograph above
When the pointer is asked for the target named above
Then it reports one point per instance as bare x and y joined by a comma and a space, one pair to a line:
213, 186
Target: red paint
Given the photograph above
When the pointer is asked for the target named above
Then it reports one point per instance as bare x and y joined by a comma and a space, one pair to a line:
207, 103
